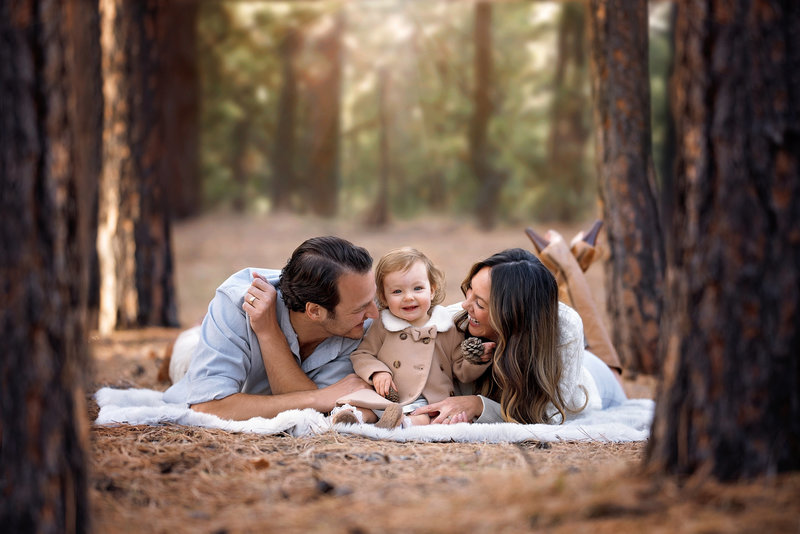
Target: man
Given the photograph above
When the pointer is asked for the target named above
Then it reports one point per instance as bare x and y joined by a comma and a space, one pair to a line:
259, 355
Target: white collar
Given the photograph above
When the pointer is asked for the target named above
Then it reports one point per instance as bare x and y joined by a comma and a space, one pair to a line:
440, 318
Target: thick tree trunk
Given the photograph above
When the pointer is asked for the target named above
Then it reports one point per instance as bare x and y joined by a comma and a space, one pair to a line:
324, 97
45, 198
133, 238
283, 153
729, 404
569, 129
87, 82
482, 153
179, 78
634, 272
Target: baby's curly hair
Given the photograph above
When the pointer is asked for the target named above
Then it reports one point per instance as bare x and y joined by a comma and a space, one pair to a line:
402, 259
313, 271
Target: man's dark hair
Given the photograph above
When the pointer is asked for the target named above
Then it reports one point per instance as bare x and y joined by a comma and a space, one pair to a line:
313, 271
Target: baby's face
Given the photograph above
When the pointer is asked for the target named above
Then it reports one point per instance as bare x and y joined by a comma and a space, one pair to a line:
408, 294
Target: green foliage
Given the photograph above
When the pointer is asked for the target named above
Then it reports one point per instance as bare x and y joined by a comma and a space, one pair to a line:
425, 51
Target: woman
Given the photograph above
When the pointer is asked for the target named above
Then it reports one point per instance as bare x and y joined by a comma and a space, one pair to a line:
541, 372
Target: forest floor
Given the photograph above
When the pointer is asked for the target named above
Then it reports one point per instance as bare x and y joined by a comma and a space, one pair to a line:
183, 479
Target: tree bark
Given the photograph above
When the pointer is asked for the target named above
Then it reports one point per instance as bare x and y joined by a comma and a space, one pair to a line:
621, 94
482, 153
45, 198
324, 89
729, 404
133, 238
283, 153
179, 78
87, 109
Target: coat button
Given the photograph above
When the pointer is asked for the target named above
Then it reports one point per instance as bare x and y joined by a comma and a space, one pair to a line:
452, 393
396, 364
426, 340
403, 336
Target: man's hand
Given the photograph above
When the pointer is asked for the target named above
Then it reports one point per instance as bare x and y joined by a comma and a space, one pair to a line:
259, 304
241, 406
283, 371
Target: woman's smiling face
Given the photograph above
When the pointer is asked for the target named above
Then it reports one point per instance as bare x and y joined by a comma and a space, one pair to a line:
477, 305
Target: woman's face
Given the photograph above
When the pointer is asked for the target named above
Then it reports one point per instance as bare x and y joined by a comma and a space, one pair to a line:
477, 305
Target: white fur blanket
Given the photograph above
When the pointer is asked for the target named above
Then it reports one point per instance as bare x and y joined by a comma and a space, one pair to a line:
628, 422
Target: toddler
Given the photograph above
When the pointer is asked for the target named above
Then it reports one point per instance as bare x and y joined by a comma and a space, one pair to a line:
412, 351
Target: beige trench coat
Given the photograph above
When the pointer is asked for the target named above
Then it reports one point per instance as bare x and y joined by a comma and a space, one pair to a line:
421, 360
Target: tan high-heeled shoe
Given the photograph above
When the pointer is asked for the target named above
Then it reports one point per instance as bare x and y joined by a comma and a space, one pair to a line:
538, 241
583, 245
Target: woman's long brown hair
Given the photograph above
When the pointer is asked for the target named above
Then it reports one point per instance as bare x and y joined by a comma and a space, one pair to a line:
523, 310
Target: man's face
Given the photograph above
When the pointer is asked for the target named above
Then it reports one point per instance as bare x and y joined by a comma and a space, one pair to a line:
356, 304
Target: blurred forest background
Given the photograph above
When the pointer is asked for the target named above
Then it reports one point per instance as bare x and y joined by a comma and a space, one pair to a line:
370, 109
379, 111
121, 117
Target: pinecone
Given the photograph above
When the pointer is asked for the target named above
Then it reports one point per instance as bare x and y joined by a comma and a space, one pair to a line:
393, 395
472, 349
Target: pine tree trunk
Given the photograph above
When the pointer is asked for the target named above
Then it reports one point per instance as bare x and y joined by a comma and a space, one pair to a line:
180, 82
87, 114
623, 152
380, 211
482, 153
133, 239
45, 198
283, 153
729, 404
324, 97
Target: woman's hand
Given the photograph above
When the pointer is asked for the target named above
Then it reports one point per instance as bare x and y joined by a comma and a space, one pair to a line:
453, 410
488, 351
259, 304
382, 382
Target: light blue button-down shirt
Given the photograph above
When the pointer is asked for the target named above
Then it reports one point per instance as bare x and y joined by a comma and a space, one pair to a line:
228, 357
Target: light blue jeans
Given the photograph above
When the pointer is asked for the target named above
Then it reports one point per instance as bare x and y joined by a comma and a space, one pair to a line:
611, 392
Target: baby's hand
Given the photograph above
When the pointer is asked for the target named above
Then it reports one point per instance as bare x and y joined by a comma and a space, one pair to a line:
382, 382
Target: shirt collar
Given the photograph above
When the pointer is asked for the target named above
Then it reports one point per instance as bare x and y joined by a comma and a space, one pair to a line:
440, 318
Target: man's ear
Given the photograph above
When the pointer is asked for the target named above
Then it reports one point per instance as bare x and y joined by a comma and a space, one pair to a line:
315, 312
